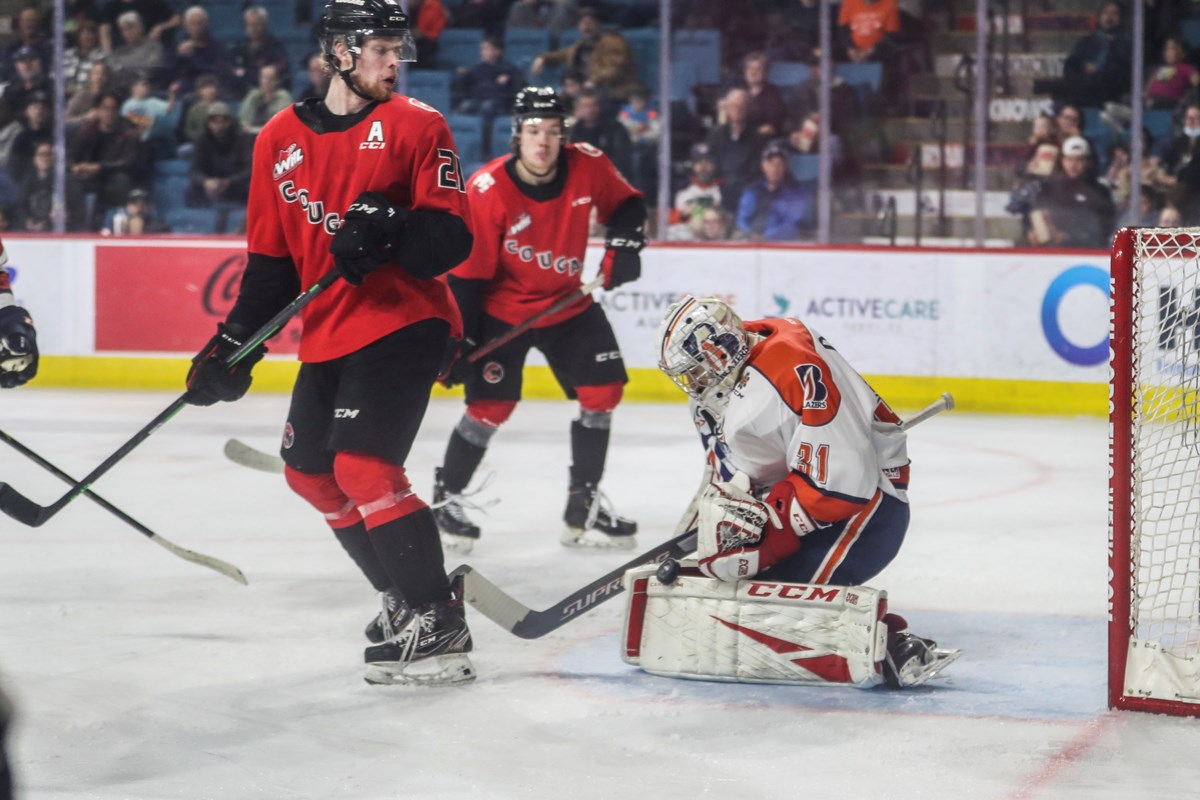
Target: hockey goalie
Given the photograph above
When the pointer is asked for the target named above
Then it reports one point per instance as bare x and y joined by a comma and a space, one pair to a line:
804, 500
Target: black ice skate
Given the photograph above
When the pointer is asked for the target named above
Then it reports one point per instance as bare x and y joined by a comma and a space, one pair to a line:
912, 660
426, 645
457, 530
393, 606
591, 521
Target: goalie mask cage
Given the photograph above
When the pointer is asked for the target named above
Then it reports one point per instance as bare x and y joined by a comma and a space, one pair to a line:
1154, 472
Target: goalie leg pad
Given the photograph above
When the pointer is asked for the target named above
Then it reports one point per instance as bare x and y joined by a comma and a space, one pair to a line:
754, 631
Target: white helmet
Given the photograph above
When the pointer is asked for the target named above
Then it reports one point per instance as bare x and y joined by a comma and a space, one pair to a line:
702, 347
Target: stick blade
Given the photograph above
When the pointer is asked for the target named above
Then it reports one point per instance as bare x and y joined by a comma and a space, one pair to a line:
241, 453
20, 507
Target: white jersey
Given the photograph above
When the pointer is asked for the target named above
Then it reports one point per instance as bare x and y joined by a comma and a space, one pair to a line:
800, 412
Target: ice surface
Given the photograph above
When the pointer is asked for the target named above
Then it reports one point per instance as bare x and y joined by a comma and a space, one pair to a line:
139, 675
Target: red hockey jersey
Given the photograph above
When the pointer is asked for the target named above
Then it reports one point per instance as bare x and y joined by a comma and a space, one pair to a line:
304, 179
531, 251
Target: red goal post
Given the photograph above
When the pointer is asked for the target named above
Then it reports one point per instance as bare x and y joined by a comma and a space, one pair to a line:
1154, 472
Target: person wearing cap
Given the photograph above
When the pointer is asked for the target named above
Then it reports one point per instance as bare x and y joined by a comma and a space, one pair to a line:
1074, 209
220, 171
600, 59
27, 23
135, 218
774, 208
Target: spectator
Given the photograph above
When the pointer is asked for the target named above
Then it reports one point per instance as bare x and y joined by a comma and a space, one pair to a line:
553, 16
600, 59
263, 101
135, 218
29, 36
1169, 217
1181, 165
641, 122
199, 53
37, 127
735, 148
486, 14
1073, 209
867, 28
257, 50
774, 208
154, 118
428, 21
82, 105
714, 226
30, 79
220, 172
488, 88
105, 156
702, 192
318, 78
195, 118
1098, 68
33, 211
78, 60
765, 109
1041, 149
591, 126
157, 17
137, 55
1172, 79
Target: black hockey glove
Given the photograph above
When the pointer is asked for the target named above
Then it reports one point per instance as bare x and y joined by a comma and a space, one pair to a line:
622, 263
18, 347
210, 381
364, 241
459, 368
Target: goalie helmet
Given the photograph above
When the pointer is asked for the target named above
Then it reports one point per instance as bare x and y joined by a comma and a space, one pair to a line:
355, 20
702, 347
534, 103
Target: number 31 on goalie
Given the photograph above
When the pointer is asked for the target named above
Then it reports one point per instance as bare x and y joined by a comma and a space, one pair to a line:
816, 468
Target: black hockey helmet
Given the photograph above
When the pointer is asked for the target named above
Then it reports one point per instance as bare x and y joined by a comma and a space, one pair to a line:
536, 102
355, 20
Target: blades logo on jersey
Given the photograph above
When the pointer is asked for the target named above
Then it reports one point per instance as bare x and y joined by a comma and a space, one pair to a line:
289, 159
812, 381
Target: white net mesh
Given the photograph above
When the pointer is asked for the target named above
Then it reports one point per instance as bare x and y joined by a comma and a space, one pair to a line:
1165, 544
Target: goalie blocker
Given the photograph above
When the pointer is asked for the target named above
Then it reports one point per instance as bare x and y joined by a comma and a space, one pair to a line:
762, 631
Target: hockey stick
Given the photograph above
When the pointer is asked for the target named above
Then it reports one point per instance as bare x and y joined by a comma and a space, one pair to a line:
216, 564
27, 512
494, 603
241, 453
558, 305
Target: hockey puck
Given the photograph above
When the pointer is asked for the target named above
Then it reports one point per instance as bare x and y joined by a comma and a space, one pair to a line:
668, 571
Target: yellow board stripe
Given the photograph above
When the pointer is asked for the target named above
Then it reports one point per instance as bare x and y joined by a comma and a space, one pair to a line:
646, 385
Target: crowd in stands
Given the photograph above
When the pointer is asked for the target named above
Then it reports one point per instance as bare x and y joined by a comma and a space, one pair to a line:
164, 101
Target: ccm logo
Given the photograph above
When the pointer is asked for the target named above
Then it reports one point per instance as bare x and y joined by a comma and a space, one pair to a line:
612, 355
371, 146
345, 413
794, 591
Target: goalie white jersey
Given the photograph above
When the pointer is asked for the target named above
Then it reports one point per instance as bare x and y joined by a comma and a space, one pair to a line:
800, 412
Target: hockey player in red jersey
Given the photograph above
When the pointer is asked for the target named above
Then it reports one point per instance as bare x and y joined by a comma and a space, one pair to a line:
810, 465
366, 181
530, 211
18, 339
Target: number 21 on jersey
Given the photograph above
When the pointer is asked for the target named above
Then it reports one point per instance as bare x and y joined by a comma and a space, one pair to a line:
450, 174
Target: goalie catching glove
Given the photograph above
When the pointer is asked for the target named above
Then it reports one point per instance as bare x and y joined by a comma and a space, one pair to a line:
622, 263
740, 535
367, 236
210, 380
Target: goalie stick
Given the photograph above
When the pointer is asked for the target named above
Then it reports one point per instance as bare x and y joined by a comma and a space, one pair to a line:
241, 453
511, 614
216, 564
27, 512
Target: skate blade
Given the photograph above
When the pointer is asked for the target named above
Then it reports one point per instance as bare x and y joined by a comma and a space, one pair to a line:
459, 544
444, 670
942, 659
593, 539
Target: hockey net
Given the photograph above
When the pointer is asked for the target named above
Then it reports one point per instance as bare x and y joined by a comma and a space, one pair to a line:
1154, 472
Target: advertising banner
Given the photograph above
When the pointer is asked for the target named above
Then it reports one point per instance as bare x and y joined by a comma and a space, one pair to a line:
169, 298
